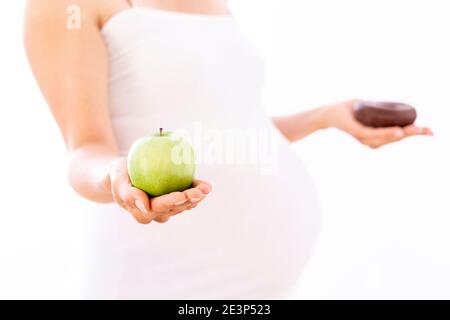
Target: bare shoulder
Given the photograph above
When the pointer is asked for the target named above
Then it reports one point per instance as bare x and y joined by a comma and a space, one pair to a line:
57, 12
52, 18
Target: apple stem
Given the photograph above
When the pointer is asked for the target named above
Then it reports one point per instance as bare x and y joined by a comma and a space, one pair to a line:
160, 131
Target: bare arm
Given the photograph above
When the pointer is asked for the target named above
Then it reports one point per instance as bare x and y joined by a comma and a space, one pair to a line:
63, 62
297, 126
340, 115
71, 67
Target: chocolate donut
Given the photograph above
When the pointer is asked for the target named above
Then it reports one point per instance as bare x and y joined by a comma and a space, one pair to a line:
384, 114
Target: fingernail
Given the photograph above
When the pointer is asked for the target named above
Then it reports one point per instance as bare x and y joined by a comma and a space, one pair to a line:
140, 206
196, 199
181, 202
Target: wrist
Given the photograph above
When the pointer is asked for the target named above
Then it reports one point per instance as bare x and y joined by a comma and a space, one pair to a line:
112, 169
105, 184
335, 113
325, 116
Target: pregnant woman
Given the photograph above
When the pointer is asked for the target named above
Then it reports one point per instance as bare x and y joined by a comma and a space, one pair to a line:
127, 68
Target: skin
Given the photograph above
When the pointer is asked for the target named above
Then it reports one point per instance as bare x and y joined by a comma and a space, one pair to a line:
71, 69
340, 116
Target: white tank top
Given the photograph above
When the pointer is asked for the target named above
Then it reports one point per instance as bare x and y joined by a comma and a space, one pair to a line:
253, 234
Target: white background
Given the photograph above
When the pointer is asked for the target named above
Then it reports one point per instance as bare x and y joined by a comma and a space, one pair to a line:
386, 213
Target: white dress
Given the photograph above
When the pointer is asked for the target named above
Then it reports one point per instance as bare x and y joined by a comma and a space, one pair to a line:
252, 236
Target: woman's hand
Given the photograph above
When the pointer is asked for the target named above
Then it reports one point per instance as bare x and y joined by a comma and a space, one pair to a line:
145, 210
341, 116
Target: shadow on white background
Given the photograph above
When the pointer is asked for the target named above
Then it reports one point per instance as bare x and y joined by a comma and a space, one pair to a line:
386, 213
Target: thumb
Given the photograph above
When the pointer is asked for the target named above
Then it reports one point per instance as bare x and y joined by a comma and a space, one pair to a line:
140, 200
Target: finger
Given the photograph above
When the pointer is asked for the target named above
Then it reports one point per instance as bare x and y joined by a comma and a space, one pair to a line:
373, 143
181, 208
139, 216
376, 138
189, 206
163, 218
135, 198
129, 197
377, 143
192, 206
178, 211
140, 199
194, 194
356, 129
204, 186
428, 132
169, 201
413, 130
387, 134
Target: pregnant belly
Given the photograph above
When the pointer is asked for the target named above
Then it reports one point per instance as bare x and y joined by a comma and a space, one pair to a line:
250, 238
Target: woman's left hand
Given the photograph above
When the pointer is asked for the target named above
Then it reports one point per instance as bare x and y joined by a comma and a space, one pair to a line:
341, 116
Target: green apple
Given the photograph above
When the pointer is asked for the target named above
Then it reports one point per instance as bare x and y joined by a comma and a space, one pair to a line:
161, 163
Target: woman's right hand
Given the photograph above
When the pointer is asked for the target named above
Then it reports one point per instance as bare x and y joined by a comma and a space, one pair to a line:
145, 209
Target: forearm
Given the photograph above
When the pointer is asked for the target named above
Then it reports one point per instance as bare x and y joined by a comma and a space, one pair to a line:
297, 126
88, 171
